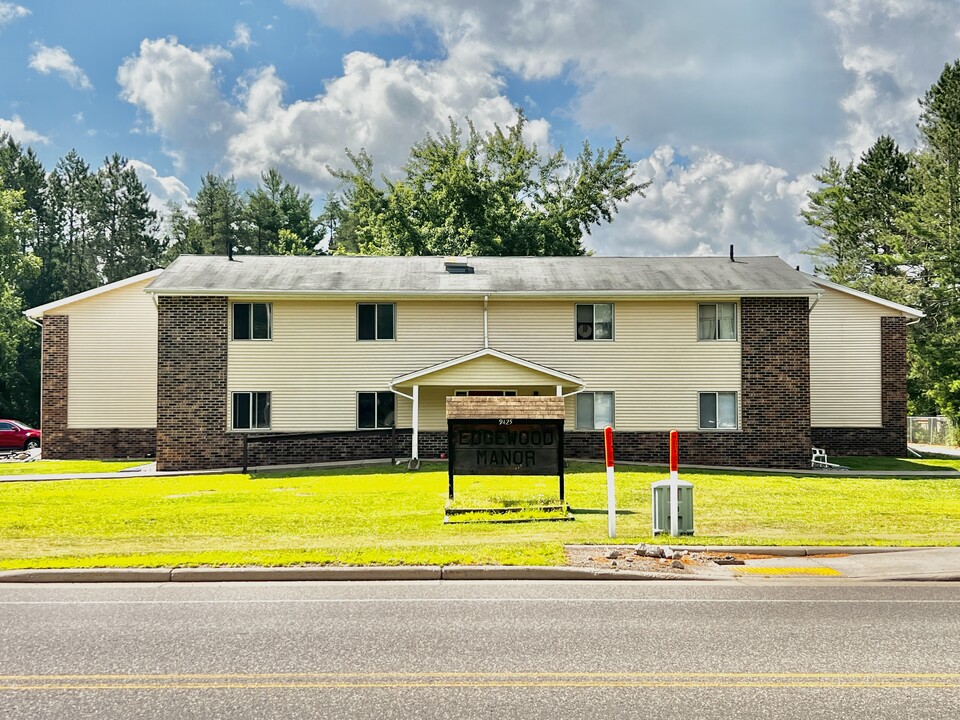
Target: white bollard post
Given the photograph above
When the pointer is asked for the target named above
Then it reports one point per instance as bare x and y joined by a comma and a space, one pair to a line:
611, 494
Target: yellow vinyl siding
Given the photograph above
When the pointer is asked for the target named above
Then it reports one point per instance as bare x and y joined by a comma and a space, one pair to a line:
113, 360
314, 365
845, 374
655, 366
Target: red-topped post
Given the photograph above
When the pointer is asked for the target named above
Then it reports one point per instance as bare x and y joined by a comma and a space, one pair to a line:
674, 489
611, 494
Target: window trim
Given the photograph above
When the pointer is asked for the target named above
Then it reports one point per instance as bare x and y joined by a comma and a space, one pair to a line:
251, 303
736, 322
251, 393
376, 329
357, 395
736, 405
613, 409
613, 322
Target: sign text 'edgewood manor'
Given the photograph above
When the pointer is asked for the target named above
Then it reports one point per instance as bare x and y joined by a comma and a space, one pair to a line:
505, 447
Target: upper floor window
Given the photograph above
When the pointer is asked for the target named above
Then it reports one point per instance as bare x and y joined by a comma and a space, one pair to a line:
376, 321
717, 321
595, 321
252, 321
594, 410
251, 410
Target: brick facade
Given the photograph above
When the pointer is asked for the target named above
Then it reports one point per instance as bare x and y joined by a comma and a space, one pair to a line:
891, 439
61, 442
192, 385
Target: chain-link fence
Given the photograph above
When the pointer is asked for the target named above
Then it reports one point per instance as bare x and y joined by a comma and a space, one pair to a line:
934, 430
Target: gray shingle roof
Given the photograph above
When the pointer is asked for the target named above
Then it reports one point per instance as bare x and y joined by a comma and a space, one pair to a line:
263, 275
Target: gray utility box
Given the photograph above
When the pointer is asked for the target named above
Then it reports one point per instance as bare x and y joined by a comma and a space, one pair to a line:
661, 507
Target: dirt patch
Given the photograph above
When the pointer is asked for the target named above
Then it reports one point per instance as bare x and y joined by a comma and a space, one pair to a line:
627, 557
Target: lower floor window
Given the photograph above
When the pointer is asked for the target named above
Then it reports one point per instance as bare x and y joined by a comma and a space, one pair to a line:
718, 411
375, 410
251, 410
594, 410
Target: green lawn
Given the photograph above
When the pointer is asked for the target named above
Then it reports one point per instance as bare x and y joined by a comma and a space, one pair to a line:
389, 516
892, 463
58, 467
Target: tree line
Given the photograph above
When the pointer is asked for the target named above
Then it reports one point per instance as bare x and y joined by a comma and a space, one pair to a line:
460, 193
889, 223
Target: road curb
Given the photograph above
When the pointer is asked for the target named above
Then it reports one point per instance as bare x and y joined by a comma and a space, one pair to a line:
254, 574
533, 572
87, 575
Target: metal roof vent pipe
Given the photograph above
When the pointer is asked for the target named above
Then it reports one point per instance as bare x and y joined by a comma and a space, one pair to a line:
457, 266
732, 259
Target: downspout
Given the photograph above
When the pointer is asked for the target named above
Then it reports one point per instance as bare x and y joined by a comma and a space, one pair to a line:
486, 336
35, 322
819, 295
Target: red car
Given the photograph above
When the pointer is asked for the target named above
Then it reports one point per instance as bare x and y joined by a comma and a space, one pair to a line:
17, 436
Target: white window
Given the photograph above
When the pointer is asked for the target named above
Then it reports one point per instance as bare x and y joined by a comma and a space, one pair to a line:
594, 410
252, 321
717, 321
376, 321
718, 411
594, 322
486, 393
251, 410
375, 410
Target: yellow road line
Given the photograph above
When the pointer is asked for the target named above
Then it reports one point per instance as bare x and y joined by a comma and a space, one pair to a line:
495, 684
413, 680
765, 570
441, 674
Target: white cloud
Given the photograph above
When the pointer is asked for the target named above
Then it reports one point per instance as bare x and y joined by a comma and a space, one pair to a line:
162, 188
242, 37
46, 60
703, 203
754, 81
895, 50
179, 89
383, 106
20, 132
10, 12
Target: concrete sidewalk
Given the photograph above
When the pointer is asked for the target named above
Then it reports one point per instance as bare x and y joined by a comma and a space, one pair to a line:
931, 564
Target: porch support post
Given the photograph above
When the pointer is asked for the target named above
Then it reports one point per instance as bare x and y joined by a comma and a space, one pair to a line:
415, 440
559, 390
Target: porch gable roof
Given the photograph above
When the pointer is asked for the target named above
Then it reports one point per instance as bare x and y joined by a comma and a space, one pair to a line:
531, 373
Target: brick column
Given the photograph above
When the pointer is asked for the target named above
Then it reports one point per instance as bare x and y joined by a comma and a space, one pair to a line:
192, 385
55, 355
775, 381
893, 369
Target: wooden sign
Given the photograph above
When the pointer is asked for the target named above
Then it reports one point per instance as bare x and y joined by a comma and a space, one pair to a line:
505, 436
505, 447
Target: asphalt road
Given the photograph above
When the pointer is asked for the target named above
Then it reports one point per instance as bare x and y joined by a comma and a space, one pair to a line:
481, 650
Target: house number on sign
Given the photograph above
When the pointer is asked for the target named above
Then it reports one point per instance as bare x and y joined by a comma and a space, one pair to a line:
506, 422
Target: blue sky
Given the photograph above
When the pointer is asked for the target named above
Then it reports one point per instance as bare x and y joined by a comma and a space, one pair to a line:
729, 106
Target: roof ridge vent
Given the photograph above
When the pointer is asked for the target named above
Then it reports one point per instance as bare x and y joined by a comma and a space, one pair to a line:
457, 266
